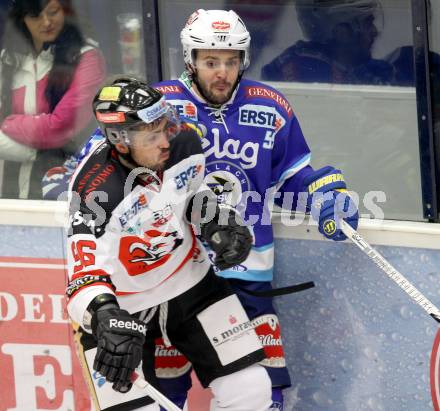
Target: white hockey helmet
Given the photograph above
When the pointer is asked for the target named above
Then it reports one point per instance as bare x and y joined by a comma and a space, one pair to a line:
215, 29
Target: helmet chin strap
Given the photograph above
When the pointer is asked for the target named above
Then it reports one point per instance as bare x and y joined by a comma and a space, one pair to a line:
193, 75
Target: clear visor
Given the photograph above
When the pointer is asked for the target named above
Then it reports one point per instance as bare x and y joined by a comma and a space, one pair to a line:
142, 134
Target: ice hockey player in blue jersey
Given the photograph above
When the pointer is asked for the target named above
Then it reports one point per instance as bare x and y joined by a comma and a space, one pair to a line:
255, 151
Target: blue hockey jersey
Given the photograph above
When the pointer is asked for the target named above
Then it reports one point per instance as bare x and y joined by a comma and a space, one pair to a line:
254, 147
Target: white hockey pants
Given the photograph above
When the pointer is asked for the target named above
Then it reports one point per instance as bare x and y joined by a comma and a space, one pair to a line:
247, 390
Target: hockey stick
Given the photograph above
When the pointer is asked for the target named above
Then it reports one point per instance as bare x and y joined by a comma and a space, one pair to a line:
389, 270
156, 395
275, 292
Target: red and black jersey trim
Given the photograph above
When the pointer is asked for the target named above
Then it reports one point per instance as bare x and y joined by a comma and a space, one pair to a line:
86, 280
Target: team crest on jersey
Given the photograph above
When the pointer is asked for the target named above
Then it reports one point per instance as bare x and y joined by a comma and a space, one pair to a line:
185, 108
140, 255
227, 181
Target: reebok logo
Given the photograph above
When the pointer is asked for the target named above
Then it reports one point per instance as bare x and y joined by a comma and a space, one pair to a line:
128, 325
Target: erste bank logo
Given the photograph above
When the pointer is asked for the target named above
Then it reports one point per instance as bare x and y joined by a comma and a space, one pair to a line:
185, 108
185, 176
260, 116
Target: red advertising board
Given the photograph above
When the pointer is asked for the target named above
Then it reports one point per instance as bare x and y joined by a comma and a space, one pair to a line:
38, 366
38, 369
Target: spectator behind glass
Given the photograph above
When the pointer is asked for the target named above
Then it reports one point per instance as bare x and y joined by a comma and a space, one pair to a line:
49, 76
402, 61
340, 34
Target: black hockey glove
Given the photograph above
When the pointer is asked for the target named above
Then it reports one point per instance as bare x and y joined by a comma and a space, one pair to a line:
231, 242
120, 339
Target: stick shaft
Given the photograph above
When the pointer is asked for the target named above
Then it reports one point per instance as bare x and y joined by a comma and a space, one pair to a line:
154, 393
390, 271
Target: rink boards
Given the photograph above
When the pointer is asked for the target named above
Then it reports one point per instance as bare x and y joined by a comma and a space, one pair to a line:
354, 342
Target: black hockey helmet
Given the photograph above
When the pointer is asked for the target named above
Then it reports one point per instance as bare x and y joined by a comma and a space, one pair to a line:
127, 104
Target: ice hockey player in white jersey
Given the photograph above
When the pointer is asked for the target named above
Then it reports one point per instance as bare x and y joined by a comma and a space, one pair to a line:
137, 270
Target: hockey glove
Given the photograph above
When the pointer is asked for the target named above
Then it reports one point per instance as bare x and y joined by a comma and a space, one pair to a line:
120, 339
329, 202
231, 242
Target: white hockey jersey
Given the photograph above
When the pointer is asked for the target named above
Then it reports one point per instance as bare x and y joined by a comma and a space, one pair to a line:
128, 232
